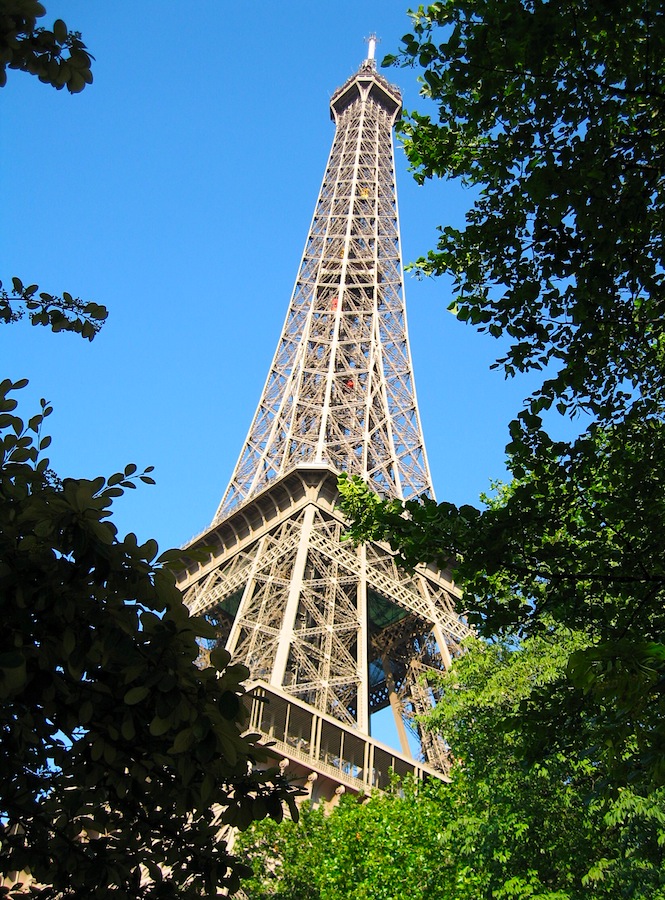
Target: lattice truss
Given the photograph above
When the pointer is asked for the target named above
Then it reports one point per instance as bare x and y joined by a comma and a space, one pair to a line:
340, 388
339, 629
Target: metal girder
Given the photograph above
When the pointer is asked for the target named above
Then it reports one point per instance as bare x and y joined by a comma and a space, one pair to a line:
318, 616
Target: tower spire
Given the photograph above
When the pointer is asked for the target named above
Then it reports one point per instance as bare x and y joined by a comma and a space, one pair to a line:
372, 41
340, 389
332, 634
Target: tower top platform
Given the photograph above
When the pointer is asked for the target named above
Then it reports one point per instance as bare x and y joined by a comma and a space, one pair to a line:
365, 82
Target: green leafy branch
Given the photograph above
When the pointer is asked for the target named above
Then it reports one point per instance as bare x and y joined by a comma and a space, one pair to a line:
64, 313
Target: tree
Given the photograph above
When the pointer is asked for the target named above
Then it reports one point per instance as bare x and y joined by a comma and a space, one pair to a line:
121, 758
566, 542
551, 112
501, 828
529, 817
385, 847
285, 859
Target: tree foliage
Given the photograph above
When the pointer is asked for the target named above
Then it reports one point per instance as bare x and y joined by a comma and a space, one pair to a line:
64, 313
553, 112
505, 827
57, 56
120, 757
389, 846
566, 542
530, 816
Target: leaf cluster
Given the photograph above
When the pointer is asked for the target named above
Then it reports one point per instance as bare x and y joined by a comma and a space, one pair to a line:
574, 540
553, 112
506, 826
379, 848
121, 759
57, 56
64, 313
532, 817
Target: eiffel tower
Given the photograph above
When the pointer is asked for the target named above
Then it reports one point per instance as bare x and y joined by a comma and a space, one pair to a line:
332, 634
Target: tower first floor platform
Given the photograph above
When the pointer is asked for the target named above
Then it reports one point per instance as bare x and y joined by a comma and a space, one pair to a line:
331, 633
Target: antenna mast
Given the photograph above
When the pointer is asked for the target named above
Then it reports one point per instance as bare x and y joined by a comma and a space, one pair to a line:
371, 41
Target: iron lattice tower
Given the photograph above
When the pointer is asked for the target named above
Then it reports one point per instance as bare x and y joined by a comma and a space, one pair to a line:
330, 633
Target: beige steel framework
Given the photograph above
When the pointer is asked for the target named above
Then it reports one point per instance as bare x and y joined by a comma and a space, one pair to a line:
332, 633
340, 388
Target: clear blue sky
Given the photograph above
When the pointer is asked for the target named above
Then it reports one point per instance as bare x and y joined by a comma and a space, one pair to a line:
177, 190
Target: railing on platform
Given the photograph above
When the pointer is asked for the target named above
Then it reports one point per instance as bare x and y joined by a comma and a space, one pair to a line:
327, 746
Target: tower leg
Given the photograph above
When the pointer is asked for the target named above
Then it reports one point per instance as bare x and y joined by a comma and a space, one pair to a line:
396, 707
295, 589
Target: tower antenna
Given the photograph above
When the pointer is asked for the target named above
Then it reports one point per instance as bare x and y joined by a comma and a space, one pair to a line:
371, 41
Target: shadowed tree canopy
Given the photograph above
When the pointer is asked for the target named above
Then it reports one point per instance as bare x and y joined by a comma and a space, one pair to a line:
120, 757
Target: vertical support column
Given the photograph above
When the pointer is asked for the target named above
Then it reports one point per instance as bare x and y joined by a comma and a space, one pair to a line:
256, 710
246, 596
438, 633
362, 644
287, 722
291, 610
313, 732
317, 740
396, 707
366, 778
